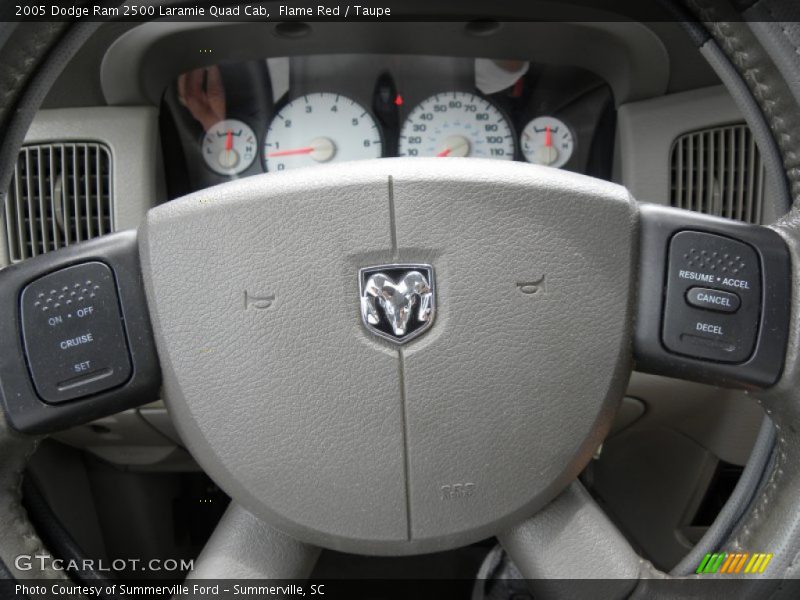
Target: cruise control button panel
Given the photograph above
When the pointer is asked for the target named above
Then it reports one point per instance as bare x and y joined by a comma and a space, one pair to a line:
77, 340
73, 333
719, 320
713, 299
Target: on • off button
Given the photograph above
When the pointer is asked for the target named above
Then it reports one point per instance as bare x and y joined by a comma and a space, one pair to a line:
709, 299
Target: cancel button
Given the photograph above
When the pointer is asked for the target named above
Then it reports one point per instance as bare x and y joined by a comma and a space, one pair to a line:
713, 299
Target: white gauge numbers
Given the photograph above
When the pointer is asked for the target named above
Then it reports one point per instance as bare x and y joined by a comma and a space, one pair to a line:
456, 124
547, 141
320, 128
229, 147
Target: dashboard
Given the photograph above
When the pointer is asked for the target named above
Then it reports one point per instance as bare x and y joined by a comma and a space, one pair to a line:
171, 112
237, 119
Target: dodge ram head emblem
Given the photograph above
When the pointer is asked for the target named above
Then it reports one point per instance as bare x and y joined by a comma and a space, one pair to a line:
397, 301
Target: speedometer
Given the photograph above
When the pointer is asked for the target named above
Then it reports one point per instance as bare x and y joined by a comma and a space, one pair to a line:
320, 128
457, 124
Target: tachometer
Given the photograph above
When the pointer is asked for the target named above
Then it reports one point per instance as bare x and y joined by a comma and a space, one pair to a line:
320, 128
547, 141
229, 147
456, 124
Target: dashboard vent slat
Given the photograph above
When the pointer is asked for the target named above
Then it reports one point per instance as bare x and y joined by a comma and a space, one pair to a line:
33, 230
60, 195
718, 171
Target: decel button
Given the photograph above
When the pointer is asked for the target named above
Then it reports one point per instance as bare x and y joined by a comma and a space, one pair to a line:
717, 300
73, 332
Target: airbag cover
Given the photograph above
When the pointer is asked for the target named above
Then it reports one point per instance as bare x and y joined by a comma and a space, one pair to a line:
346, 440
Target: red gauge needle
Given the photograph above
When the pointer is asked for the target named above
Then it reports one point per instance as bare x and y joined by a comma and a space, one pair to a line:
454, 145
294, 151
229, 141
548, 137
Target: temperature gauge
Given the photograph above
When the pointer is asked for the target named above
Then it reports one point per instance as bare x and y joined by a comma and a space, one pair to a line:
229, 147
547, 141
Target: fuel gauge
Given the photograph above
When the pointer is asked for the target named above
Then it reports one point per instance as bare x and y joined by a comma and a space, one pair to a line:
229, 147
547, 141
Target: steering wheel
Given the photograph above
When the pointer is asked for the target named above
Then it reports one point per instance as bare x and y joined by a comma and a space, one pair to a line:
408, 355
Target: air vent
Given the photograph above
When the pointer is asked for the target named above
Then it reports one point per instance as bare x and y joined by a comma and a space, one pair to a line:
60, 195
719, 172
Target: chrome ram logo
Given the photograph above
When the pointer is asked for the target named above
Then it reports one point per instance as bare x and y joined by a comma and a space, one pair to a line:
397, 301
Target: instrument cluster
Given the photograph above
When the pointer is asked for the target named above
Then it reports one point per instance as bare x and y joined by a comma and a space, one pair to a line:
279, 114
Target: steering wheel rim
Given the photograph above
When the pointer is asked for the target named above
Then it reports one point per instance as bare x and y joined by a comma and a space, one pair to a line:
760, 527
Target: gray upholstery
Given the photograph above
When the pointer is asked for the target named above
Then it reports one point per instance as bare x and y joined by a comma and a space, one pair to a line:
17, 535
776, 24
774, 521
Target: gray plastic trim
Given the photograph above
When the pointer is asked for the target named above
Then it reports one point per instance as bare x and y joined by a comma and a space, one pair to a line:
31, 100
141, 63
646, 131
131, 133
245, 547
548, 547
